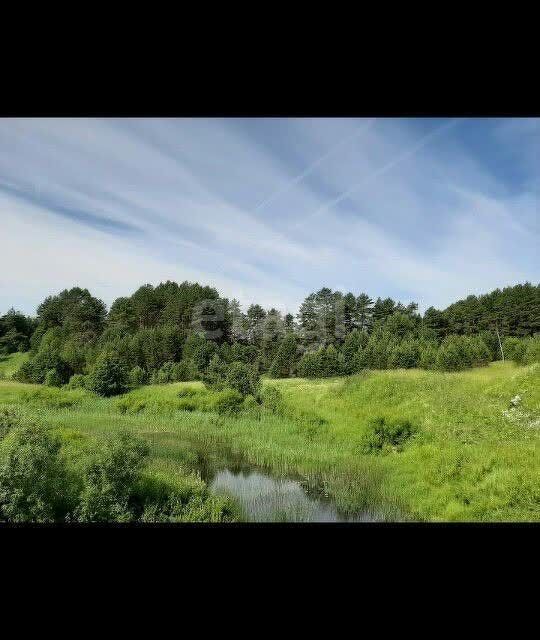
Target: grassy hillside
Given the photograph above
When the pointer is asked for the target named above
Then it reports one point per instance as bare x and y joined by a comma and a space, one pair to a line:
473, 457
9, 364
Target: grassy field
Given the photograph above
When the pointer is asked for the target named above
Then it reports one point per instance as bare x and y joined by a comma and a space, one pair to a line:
9, 364
474, 458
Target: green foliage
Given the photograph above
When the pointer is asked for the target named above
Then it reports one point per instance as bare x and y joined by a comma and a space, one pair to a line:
109, 376
110, 480
9, 419
480, 353
272, 399
34, 482
514, 310
532, 353
492, 343
428, 356
382, 435
137, 376
514, 349
354, 343
52, 379
284, 362
199, 351
77, 381
216, 373
454, 354
405, 355
322, 363
227, 401
15, 332
242, 378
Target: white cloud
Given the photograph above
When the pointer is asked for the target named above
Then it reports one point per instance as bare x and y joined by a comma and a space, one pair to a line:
426, 219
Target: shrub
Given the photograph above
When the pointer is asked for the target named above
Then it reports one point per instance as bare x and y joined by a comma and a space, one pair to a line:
284, 361
532, 353
184, 371
428, 357
382, 435
165, 374
323, 363
405, 355
77, 381
492, 343
137, 376
52, 378
227, 401
110, 480
454, 354
34, 482
216, 373
378, 350
243, 379
250, 403
514, 349
109, 376
9, 419
310, 365
272, 398
354, 343
480, 353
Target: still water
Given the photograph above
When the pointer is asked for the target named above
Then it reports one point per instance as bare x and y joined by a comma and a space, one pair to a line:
264, 498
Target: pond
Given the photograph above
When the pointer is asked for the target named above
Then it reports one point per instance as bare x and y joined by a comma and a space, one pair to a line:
264, 497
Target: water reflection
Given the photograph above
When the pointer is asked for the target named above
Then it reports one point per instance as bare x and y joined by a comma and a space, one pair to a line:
263, 498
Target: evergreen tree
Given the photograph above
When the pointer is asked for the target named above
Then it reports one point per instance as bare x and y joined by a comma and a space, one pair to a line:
285, 359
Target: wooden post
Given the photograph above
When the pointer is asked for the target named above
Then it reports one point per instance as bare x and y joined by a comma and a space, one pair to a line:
500, 345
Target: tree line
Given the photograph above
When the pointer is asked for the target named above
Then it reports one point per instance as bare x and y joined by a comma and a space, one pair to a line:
174, 332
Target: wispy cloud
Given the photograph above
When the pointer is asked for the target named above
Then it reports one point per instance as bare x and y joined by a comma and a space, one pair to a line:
268, 210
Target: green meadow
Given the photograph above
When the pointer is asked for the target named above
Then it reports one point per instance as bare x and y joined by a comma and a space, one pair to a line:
471, 456
11, 363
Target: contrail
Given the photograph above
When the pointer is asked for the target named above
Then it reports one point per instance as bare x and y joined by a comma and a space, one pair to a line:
389, 165
316, 163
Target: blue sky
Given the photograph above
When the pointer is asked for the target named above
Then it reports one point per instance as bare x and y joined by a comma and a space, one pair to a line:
268, 210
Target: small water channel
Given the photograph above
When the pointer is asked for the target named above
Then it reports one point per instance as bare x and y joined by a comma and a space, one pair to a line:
263, 497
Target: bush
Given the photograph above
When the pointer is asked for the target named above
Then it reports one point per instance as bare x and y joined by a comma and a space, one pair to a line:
250, 403
165, 374
52, 379
184, 371
216, 373
480, 353
492, 343
352, 347
323, 363
35, 370
243, 379
272, 399
110, 480
405, 355
454, 354
532, 353
137, 376
428, 357
382, 435
284, 361
378, 350
77, 381
227, 401
515, 349
9, 419
109, 376
34, 482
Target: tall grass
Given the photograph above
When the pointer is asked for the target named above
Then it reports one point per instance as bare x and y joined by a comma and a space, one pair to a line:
471, 456
11, 363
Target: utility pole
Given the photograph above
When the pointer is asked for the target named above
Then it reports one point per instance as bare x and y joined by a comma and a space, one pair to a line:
499, 337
